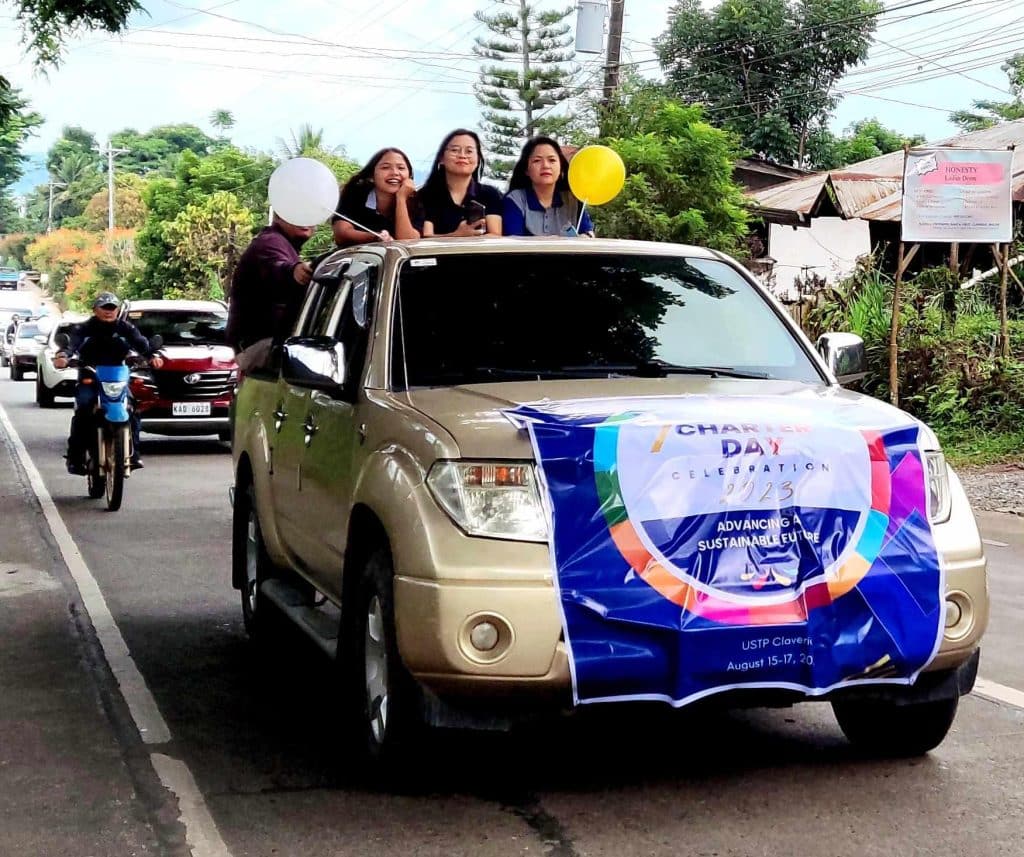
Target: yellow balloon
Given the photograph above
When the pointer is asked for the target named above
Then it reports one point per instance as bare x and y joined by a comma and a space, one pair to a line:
596, 174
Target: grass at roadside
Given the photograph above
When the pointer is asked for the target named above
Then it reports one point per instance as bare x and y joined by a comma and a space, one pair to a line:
981, 449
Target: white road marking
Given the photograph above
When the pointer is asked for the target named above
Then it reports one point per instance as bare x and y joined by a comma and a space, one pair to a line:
999, 692
201, 834
201, 830
995, 544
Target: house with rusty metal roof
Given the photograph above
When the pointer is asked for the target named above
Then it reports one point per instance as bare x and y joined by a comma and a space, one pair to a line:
860, 206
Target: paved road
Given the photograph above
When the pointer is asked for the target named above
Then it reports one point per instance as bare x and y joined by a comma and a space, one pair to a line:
252, 766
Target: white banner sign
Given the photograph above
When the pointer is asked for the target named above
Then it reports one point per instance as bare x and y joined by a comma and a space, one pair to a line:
958, 195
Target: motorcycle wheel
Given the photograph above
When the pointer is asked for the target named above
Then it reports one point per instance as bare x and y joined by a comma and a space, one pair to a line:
116, 452
94, 475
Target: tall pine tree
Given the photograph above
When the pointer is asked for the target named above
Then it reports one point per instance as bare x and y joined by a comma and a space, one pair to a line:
526, 74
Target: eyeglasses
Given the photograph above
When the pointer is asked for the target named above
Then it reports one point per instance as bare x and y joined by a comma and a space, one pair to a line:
461, 150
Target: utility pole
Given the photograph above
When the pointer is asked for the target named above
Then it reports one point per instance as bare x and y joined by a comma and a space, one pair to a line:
49, 210
111, 151
612, 62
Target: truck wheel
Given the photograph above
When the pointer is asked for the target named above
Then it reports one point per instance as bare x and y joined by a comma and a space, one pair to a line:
888, 729
16, 373
381, 694
249, 554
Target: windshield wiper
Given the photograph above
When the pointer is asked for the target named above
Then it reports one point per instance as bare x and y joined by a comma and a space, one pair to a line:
660, 368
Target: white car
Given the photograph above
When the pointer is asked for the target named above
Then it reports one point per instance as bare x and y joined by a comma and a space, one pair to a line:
52, 382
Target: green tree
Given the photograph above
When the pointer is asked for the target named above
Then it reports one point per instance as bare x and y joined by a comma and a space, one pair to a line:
766, 69
76, 179
206, 240
195, 179
525, 76
11, 220
222, 120
862, 140
20, 125
679, 184
46, 23
631, 107
73, 140
129, 207
305, 142
157, 150
987, 113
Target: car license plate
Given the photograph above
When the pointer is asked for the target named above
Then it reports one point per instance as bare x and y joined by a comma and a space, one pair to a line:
190, 409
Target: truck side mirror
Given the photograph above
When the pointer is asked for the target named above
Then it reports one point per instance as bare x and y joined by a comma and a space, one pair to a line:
315, 364
844, 354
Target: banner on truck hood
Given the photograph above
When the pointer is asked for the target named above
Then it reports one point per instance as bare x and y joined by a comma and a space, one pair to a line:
703, 544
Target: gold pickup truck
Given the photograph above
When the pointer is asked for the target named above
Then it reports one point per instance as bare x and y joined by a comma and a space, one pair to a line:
387, 501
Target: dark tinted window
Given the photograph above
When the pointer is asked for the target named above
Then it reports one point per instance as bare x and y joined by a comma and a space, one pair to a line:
496, 317
181, 327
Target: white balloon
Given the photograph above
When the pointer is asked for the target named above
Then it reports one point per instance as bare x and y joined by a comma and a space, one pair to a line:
303, 192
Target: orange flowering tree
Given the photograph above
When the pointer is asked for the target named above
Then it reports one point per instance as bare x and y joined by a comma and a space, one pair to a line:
80, 264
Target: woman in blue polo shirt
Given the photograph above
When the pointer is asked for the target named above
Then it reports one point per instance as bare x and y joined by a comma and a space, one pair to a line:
381, 197
455, 201
539, 201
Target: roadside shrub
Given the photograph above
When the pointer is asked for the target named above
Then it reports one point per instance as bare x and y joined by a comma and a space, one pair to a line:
950, 374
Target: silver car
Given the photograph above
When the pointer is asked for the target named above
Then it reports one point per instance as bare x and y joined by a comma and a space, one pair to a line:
29, 339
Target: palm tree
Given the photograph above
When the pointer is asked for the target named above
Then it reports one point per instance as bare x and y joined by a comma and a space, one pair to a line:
79, 175
307, 142
222, 120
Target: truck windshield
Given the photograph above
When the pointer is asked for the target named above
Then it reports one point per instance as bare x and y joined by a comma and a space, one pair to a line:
478, 318
182, 327
27, 331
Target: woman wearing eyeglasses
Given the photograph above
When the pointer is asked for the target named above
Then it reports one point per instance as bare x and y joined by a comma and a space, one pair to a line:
456, 203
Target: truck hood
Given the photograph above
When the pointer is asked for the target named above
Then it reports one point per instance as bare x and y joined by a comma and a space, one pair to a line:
473, 414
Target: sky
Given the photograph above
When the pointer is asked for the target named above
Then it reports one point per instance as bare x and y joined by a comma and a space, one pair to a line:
375, 73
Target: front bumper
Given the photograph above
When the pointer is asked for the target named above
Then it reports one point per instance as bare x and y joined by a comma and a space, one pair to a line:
63, 389
159, 419
434, 617
25, 361
185, 425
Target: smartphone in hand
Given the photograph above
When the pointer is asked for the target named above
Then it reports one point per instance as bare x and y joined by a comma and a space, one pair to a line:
474, 211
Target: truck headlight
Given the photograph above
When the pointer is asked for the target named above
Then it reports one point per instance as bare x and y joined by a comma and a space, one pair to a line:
490, 498
939, 500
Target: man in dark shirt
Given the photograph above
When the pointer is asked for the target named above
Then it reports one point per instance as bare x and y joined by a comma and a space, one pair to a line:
101, 340
267, 292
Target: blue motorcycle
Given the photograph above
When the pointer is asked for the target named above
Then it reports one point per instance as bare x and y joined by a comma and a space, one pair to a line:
108, 455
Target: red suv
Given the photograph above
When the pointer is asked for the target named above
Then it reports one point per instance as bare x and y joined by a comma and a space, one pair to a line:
191, 393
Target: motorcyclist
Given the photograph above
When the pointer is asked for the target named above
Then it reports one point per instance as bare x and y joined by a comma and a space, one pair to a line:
95, 342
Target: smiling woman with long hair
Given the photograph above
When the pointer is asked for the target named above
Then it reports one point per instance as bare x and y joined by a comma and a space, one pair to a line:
381, 197
539, 201
456, 202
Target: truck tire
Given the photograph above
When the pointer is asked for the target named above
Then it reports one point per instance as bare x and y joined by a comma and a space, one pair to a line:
381, 694
252, 566
888, 729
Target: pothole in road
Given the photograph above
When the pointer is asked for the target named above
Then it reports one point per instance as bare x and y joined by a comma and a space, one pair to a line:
17, 579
